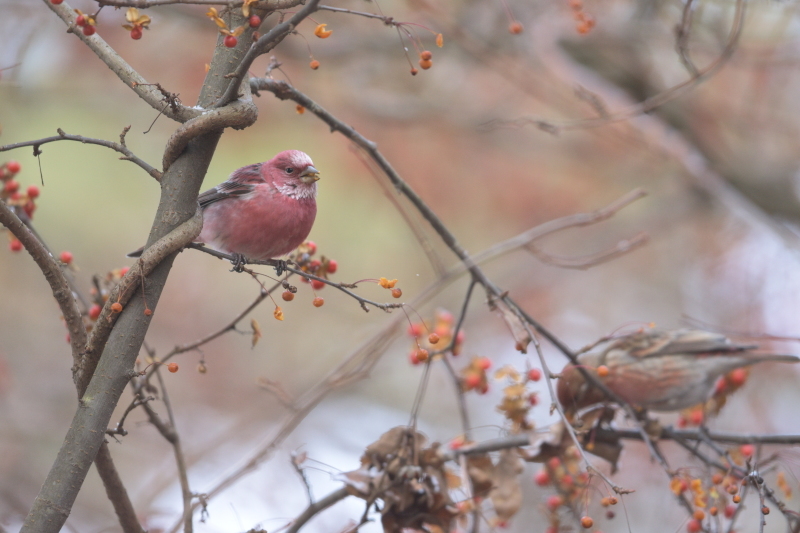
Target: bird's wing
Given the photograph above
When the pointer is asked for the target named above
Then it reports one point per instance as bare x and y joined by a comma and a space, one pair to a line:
241, 182
657, 343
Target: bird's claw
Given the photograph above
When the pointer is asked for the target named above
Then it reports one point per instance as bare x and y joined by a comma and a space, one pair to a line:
280, 267
238, 261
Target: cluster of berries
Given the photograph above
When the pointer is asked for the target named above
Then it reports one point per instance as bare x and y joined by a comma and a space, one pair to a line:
12, 194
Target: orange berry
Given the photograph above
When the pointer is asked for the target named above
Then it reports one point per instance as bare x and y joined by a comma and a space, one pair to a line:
583, 28
765, 510
314, 64
439, 40
321, 32
318, 302
148, 311
426, 55
287, 296
736, 499
716, 479
172, 367
602, 371
433, 338
587, 522
613, 500
576, 5
422, 355
515, 28
116, 307
397, 293
425, 64
699, 514
300, 109
713, 511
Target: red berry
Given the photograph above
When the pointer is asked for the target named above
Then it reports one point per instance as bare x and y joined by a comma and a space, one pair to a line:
65, 257
94, 311
136, 33
317, 284
255, 21
11, 186
80, 20
694, 526
554, 502
16, 196
737, 377
148, 311
15, 245
414, 71
333, 266
29, 208
318, 302
312, 247
533, 399
534, 374
484, 363
314, 64
230, 41
123, 271
515, 28
287, 296
304, 279
172, 367
472, 381
116, 307
414, 330
33, 192
747, 450
14, 166
542, 478
315, 264
56, 2
88, 30
697, 417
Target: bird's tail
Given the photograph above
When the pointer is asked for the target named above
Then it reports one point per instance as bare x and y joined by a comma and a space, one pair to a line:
136, 253
773, 357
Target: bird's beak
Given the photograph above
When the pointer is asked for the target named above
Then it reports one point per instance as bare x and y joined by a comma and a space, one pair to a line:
309, 175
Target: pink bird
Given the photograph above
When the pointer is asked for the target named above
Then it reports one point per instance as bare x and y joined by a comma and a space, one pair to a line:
262, 211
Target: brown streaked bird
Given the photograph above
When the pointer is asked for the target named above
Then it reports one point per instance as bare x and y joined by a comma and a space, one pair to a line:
659, 370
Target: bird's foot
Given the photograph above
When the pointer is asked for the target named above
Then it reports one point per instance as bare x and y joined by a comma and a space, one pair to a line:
280, 267
238, 261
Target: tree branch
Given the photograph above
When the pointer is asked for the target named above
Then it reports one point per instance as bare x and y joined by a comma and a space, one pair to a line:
121, 148
121, 68
54, 276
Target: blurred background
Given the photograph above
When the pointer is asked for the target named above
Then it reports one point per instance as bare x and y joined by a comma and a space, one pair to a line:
720, 164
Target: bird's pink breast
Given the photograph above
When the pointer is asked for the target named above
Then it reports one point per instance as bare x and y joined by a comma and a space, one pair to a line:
261, 225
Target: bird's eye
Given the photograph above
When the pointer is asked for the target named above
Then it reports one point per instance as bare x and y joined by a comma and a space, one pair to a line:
289, 170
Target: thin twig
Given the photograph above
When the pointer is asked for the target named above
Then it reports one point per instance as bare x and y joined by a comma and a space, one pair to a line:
118, 147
